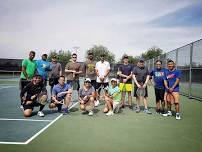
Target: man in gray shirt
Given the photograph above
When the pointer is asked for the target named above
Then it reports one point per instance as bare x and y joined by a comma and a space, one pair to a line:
141, 78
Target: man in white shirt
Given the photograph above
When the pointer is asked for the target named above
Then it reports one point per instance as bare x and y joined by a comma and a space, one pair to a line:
102, 71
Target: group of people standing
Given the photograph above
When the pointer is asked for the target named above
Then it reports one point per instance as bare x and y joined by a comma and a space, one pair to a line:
34, 76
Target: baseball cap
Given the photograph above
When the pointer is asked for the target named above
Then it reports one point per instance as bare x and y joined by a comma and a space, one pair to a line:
54, 57
141, 60
114, 79
87, 80
125, 56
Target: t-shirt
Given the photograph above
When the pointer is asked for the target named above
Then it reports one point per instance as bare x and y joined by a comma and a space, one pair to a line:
89, 68
83, 92
115, 92
30, 67
158, 75
102, 67
55, 70
126, 70
58, 89
141, 73
171, 77
42, 68
73, 66
32, 89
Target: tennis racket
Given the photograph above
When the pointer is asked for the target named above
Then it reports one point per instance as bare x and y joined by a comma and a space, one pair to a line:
71, 105
141, 92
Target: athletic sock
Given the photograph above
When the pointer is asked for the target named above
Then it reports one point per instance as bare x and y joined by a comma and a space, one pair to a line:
41, 107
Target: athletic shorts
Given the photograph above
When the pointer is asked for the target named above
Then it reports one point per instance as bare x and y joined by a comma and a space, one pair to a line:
93, 83
159, 93
104, 85
70, 83
174, 98
125, 87
135, 90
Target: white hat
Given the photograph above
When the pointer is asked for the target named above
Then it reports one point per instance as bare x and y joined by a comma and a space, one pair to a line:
114, 79
87, 80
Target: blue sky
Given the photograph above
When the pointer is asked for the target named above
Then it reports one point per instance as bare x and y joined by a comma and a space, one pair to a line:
123, 26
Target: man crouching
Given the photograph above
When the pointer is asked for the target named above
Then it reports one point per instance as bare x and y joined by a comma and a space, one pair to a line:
34, 94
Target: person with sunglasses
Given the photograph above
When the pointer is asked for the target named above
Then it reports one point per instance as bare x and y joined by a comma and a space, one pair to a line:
73, 69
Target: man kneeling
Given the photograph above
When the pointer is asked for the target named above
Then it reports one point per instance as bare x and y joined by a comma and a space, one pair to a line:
86, 97
61, 95
34, 94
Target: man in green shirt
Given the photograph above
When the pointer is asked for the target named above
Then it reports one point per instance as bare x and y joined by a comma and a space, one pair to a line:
28, 70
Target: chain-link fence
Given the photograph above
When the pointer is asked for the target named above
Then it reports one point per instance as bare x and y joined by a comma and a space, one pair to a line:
189, 61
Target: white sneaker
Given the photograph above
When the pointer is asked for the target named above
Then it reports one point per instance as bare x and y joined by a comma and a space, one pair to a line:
90, 113
97, 103
169, 113
110, 113
40, 114
177, 116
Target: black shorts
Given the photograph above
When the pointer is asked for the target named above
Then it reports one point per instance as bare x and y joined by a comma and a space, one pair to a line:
53, 81
31, 106
135, 90
23, 83
159, 93
104, 85
93, 83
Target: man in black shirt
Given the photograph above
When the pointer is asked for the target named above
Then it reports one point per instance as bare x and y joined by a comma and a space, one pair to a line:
32, 95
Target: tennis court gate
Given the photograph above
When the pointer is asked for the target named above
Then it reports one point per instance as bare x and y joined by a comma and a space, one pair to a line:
188, 60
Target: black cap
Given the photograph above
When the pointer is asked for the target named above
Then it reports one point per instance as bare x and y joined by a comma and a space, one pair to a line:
54, 57
125, 56
141, 60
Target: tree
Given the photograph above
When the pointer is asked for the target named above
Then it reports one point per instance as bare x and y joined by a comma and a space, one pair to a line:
63, 56
98, 50
152, 53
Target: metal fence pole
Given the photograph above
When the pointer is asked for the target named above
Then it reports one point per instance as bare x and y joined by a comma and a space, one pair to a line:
176, 62
190, 70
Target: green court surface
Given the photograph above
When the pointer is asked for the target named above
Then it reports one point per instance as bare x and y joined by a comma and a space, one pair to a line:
123, 132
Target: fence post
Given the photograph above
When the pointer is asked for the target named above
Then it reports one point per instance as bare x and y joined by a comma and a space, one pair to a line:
176, 61
190, 70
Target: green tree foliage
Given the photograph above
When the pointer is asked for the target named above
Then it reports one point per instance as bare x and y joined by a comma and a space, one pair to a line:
63, 56
98, 50
152, 53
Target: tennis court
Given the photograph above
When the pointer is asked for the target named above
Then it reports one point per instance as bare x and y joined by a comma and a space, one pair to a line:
127, 131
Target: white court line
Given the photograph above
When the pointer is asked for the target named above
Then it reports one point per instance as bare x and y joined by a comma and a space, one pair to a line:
6, 119
6, 87
34, 136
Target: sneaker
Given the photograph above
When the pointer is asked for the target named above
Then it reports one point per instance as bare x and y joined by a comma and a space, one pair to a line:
147, 111
117, 109
123, 106
158, 111
169, 113
21, 107
90, 113
66, 111
110, 113
137, 109
97, 103
177, 116
131, 107
40, 114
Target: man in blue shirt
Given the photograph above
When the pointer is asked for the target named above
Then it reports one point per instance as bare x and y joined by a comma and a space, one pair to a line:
43, 66
158, 74
171, 81
61, 93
